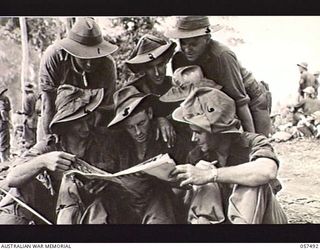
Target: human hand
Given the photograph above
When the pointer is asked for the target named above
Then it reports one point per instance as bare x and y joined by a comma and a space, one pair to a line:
206, 165
188, 174
57, 160
167, 131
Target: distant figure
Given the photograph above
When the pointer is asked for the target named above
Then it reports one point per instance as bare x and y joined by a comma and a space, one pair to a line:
316, 85
306, 79
5, 108
307, 107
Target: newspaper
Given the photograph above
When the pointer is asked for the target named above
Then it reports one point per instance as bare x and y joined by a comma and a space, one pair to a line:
159, 166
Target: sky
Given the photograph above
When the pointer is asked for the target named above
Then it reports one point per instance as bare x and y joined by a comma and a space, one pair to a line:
273, 47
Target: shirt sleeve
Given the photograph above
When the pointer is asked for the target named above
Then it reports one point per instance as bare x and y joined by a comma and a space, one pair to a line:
231, 79
261, 148
49, 72
111, 74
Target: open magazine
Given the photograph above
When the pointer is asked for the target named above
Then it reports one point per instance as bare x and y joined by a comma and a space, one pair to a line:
159, 166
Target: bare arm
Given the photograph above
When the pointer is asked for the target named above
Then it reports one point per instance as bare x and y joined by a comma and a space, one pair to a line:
245, 117
48, 110
53, 161
253, 174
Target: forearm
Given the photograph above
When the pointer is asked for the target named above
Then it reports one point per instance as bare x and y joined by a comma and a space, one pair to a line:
48, 110
24, 172
245, 117
255, 173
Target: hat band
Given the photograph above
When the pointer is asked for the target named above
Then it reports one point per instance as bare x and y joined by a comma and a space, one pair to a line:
85, 40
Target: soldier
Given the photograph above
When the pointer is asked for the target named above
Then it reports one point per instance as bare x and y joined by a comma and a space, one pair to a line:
36, 178
151, 198
221, 65
5, 108
230, 170
83, 60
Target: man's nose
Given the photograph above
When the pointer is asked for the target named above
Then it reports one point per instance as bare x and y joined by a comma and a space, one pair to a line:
156, 71
138, 131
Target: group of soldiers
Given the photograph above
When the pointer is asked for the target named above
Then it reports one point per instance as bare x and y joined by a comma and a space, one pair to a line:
302, 118
211, 117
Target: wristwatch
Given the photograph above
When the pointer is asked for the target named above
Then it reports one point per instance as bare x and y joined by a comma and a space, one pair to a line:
215, 174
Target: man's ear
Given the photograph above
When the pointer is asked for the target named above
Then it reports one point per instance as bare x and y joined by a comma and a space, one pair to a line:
150, 113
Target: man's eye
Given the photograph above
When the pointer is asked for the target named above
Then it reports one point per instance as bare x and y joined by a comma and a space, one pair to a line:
141, 123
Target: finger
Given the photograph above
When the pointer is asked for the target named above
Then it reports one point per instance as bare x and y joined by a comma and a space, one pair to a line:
186, 182
164, 134
176, 171
182, 176
67, 156
64, 162
157, 134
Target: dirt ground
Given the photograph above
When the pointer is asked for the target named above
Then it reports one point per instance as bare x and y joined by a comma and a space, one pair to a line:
299, 174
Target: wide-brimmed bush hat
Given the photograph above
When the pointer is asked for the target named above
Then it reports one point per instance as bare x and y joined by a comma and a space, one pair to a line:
209, 109
309, 90
85, 40
73, 103
192, 26
184, 81
303, 65
126, 100
149, 51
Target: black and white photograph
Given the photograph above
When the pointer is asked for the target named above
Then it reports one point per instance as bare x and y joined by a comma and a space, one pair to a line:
168, 120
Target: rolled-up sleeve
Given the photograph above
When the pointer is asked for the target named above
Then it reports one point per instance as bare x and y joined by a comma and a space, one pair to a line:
49, 70
261, 148
231, 79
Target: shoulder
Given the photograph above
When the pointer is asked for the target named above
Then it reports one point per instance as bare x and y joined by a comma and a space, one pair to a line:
218, 49
54, 52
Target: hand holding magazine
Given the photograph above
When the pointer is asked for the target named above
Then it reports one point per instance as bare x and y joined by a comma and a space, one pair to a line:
159, 166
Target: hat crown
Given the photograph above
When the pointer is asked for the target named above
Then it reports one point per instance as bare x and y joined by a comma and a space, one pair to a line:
149, 43
124, 94
193, 22
303, 64
187, 75
86, 31
215, 107
309, 90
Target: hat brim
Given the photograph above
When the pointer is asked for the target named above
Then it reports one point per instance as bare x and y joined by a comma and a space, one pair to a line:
177, 33
177, 115
87, 52
124, 112
302, 66
177, 94
3, 90
161, 54
94, 104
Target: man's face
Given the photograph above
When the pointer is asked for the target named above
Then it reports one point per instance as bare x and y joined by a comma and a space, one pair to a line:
301, 69
89, 65
194, 47
82, 127
139, 125
157, 73
205, 140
